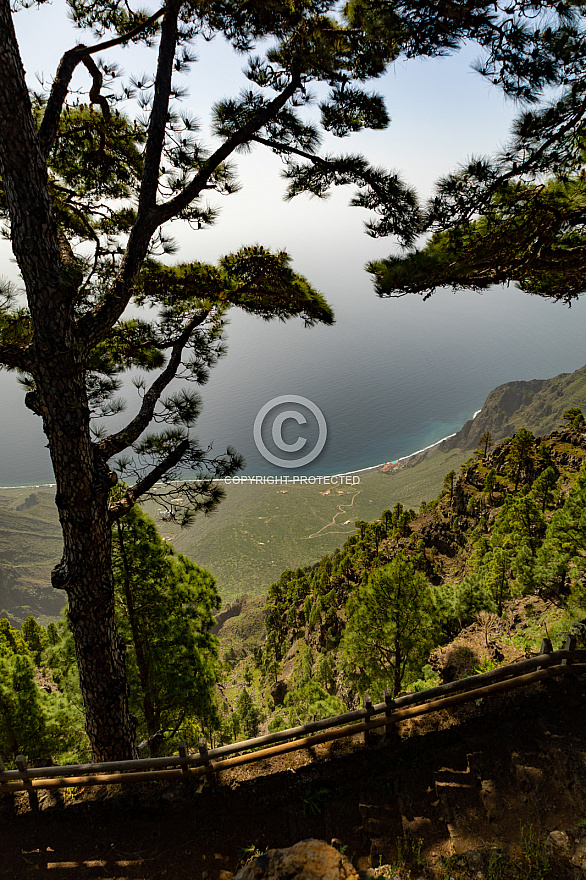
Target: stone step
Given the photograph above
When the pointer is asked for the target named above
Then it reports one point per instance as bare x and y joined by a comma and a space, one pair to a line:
381, 822
460, 803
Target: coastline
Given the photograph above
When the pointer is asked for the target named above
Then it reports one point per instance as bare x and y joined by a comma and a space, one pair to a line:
362, 470
385, 464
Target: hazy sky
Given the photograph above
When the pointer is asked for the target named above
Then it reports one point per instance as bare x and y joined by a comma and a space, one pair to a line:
385, 369
442, 112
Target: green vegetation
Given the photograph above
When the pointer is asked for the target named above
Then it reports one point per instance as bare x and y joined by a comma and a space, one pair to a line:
88, 186
511, 525
362, 619
269, 530
33, 722
389, 628
516, 216
164, 607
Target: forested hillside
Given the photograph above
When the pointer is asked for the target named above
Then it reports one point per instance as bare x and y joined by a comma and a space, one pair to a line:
268, 529
501, 552
475, 577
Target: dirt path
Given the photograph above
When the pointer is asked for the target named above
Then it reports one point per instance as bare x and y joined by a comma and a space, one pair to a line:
333, 522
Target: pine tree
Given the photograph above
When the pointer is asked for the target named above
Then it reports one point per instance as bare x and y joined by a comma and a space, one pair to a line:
388, 628
497, 577
40, 725
87, 190
516, 216
164, 607
521, 455
448, 485
249, 715
35, 637
561, 561
543, 486
574, 416
520, 521
485, 443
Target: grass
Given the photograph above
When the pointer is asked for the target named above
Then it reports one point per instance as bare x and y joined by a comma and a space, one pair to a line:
268, 530
313, 800
258, 531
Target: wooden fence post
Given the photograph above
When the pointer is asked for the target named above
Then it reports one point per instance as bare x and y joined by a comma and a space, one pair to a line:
203, 750
389, 702
570, 645
546, 648
182, 750
367, 704
33, 798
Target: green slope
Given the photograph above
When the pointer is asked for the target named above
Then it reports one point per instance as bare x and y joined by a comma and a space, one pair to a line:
30, 545
261, 530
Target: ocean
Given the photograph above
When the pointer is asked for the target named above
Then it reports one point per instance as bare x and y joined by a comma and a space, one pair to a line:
390, 377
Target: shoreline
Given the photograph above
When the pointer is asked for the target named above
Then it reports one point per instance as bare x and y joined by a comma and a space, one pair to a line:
362, 470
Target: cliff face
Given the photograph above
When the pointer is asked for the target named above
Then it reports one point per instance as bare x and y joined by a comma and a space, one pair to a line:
537, 405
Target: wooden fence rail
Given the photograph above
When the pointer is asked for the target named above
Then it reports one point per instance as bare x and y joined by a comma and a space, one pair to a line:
186, 766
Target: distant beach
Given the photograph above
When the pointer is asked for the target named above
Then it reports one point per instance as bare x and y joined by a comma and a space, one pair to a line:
363, 470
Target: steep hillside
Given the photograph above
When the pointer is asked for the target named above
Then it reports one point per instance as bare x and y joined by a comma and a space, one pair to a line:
260, 530
30, 545
269, 530
499, 555
537, 405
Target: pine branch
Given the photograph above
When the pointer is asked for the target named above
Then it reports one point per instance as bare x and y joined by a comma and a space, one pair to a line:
94, 327
131, 496
124, 438
158, 118
24, 174
97, 82
244, 134
67, 65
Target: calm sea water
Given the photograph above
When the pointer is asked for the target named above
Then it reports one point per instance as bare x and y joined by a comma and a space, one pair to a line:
390, 377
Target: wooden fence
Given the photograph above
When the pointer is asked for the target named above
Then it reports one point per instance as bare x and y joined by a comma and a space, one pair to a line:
206, 762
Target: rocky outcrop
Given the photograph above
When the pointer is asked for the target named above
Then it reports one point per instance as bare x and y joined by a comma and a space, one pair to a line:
233, 610
278, 692
537, 405
307, 860
569, 845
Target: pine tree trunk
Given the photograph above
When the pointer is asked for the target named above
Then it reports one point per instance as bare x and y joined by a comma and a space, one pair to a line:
85, 571
56, 359
397, 677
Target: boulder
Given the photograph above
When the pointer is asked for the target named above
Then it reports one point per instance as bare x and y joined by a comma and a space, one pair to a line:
306, 860
278, 692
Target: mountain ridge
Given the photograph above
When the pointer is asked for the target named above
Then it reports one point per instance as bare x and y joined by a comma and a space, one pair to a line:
529, 404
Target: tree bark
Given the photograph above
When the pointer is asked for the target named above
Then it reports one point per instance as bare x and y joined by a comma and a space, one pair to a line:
57, 363
85, 571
